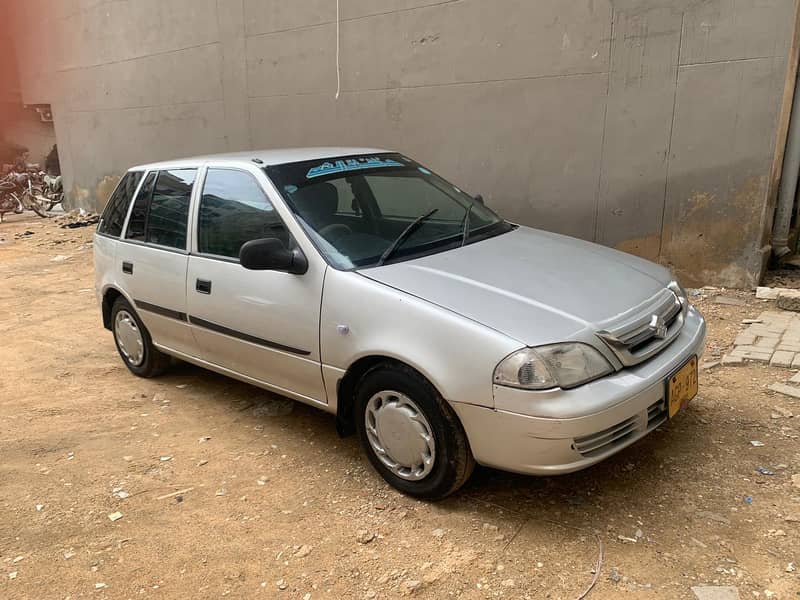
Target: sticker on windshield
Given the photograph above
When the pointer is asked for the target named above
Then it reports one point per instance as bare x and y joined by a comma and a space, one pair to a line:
351, 164
290, 189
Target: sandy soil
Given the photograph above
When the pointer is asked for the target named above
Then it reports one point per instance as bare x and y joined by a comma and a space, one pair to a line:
273, 504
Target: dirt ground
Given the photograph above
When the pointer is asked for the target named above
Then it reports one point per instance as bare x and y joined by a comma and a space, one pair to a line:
272, 503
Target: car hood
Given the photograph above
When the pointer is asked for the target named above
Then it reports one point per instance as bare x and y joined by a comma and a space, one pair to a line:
535, 286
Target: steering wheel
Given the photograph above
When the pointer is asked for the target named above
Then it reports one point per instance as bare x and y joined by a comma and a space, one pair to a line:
335, 231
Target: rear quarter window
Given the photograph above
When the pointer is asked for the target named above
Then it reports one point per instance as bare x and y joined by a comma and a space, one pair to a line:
117, 206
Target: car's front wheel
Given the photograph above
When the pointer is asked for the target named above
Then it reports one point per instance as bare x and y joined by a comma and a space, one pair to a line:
134, 343
410, 434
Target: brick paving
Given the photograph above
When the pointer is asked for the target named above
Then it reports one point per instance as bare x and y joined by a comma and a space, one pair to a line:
774, 339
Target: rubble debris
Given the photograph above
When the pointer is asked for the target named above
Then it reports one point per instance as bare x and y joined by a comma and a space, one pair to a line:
303, 551
364, 537
781, 413
756, 443
764, 471
77, 218
115, 516
789, 300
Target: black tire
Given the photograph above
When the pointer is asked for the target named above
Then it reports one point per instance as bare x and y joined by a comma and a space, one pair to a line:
453, 462
154, 362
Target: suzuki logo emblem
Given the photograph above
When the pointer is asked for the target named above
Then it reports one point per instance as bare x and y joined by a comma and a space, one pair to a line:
658, 327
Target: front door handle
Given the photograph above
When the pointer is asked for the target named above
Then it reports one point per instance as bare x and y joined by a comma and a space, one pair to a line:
203, 286
127, 267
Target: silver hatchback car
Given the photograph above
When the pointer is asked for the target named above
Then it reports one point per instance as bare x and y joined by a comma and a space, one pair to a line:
360, 282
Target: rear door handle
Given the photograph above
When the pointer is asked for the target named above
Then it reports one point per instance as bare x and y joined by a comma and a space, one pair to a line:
203, 286
127, 267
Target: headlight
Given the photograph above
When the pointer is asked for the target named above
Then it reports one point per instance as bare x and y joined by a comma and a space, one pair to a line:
559, 365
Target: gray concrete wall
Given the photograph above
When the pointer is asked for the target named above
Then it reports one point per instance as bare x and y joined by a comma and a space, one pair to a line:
647, 125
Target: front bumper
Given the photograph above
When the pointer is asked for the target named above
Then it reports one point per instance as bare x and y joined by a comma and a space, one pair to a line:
561, 431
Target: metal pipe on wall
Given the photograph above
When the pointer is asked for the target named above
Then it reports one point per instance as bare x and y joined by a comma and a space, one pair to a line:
788, 187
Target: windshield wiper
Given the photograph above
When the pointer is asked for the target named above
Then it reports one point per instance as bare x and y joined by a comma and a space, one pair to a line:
465, 225
403, 236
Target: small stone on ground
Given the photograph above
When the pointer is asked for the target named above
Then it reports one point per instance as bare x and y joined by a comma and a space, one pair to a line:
715, 592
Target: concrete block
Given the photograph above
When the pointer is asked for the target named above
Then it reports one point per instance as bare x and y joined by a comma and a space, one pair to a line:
786, 390
766, 342
784, 347
789, 300
796, 377
773, 315
782, 359
767, 293
757, 356
752, 348
732, 359
745, 339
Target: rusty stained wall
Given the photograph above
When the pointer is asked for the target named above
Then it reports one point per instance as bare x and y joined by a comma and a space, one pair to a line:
647, 125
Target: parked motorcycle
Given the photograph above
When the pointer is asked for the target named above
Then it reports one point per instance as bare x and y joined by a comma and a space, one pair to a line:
18, 193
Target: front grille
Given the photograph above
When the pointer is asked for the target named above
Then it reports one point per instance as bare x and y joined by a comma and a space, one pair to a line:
603, 441
656, 414
606, 440
635, 337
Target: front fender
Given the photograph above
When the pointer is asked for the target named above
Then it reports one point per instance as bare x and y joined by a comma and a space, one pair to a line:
362, 317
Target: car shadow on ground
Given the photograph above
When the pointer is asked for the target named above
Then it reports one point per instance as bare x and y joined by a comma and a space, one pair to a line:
642, 470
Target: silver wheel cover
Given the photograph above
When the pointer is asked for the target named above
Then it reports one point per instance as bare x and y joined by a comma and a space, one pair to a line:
129, 338
400, 435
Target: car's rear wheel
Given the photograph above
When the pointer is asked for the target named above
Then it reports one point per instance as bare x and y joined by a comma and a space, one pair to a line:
133, 342
410, 434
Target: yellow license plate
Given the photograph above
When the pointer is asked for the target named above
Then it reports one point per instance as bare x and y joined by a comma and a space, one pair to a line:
682, 387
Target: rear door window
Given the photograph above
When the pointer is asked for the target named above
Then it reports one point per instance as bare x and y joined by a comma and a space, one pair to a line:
137, 224
117, 207
160, 213
168, 217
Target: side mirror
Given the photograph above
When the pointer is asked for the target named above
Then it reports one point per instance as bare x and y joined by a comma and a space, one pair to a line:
479, 199
269, 254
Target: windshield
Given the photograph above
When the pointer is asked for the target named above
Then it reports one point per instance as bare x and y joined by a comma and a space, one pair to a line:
363, 211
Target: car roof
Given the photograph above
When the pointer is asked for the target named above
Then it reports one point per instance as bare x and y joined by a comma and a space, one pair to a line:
276, 156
